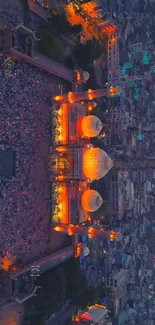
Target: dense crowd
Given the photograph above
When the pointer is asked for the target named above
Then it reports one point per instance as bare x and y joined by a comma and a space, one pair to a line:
24, 118
9, 15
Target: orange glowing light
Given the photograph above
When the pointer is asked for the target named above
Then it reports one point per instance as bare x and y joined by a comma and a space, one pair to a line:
61, 149
78, 76
90, 232
90, 92
63, 127
7, 261
64, 204
113, 91
57, 228
60, 178
90, 9
70, 97
70, 230
78, 250
113, 235
86, 316
89, 26
100, 306
57, 98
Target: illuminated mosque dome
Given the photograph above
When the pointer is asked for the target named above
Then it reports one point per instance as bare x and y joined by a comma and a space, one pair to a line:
91, 200
96, 163
86, 251
91, 126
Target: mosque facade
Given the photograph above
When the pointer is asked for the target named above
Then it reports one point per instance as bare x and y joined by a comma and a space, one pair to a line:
75, 163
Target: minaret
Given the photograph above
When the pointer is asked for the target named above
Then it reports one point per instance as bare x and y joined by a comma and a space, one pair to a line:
90, 232
72, 97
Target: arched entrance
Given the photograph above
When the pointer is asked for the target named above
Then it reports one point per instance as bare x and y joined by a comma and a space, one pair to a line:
61, 163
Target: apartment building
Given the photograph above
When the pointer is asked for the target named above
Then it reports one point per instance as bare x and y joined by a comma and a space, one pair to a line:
117, 283
113, 60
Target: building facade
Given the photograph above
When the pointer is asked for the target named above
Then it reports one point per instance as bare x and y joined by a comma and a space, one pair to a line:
117, 283
75, 163
113, 60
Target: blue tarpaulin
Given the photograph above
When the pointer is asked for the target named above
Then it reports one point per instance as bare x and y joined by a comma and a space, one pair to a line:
140, 137
84, 239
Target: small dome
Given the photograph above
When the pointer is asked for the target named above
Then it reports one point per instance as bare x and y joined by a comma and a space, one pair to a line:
96, 163
91, 126
85, 75
91, 200
86, 251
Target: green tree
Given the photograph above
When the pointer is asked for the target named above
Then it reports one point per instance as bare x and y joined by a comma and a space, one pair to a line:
70, 61
76, 29
88, 297
86, 54
51, 46
50, 297
77, 289
61, 25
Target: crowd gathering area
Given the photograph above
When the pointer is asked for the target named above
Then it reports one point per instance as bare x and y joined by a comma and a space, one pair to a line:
25, 133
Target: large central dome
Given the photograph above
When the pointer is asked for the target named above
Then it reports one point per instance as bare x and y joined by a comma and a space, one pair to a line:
91, 126
91, 200
96, 163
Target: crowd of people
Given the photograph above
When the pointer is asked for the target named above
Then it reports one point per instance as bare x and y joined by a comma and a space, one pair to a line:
25, 114
9, 15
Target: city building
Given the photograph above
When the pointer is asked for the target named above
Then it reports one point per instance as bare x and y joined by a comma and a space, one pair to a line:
117, 283
116, 195
113, 75
39, 8
92, 16
137, 47
95, 315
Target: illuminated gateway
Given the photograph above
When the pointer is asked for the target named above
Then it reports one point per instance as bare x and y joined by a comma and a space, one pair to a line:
75, 163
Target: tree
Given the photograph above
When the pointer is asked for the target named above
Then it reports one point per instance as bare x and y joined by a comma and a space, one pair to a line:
61, 25
86, 54
89, 297
50, 297
70, 62
51, 46
77, 289
77, 29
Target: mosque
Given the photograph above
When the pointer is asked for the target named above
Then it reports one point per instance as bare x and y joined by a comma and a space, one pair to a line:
75, 163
